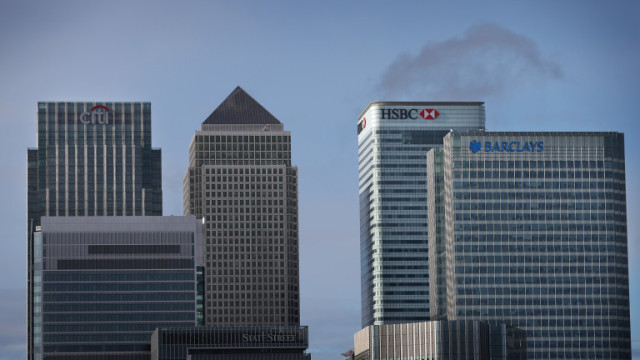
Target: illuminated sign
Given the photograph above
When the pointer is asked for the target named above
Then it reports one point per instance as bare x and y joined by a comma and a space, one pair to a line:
98, 114
506, 146
393, 114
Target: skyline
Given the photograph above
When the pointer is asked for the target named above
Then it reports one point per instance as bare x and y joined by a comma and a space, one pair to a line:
537, 67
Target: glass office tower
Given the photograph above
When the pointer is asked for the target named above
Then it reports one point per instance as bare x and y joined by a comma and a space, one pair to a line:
103, 284
393, 140
241, 182
535, 234
92, 159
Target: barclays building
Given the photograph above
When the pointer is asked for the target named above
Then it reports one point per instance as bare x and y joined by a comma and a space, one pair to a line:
531, 228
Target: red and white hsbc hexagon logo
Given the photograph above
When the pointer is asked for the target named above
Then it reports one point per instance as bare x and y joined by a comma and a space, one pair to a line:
429, 114
393, 114
98, 114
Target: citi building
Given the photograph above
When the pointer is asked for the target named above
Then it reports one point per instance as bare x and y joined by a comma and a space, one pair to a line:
92, 159
393, 140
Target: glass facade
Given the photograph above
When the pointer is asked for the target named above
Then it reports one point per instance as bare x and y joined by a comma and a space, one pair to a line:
241, 183
535, 235
92, 159
435, 340
103, 284
393, 140
231, 343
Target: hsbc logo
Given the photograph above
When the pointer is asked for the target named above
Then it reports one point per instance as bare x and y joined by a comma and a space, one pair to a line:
361, 125
429, 114
399, 114
98, 114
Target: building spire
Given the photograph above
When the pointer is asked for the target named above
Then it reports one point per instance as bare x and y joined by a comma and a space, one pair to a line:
240, 108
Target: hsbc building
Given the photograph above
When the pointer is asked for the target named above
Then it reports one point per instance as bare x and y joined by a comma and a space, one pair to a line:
393, 140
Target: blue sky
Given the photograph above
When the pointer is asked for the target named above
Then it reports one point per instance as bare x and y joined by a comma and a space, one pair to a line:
538, 66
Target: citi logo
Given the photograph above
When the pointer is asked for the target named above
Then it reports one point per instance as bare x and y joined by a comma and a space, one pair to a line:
505, 146
98, 114
400, 114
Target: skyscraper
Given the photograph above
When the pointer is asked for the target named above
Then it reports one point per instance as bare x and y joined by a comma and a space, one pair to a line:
92, 159
535, 234
103, 284
393, 140
241, 182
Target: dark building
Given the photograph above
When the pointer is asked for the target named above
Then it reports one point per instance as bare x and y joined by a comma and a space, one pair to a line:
92, 159
103, 284
231, 343
240, 181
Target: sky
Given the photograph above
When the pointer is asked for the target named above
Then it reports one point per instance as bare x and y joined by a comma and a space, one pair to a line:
538, 66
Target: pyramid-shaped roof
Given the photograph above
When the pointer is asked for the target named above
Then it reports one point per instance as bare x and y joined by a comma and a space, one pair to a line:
240, 108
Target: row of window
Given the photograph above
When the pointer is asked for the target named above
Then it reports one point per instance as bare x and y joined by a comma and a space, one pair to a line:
488, 174
610, 186
544, 216
534, 244
55, 276
251, 252
200, 139
557, 227
208, 148
252, 320
246, 233
129, 297
242, 266
237, 195
490, 259
113, 135
146, 327
533, 204
245, 155
576, 283
549, 195
247, 307
230, 286
116, 307
120, 287
93, 317
543, 164
247, 224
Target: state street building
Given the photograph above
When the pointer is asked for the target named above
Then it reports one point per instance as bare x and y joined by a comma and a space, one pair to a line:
534, 233
393, 140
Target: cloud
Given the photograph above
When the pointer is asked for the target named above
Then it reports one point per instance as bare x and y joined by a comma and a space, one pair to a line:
487, 60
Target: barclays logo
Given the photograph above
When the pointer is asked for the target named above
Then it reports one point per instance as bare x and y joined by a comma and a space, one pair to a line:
475, 146
505, 146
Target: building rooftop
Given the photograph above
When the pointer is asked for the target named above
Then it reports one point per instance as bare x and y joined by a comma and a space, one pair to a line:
240, 108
